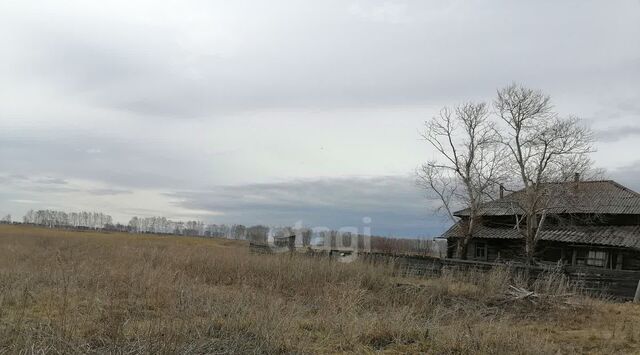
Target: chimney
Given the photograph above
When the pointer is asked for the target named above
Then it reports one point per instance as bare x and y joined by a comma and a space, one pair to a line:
576, 178
501, 191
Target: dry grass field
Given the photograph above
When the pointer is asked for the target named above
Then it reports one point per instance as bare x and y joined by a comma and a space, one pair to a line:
92, 292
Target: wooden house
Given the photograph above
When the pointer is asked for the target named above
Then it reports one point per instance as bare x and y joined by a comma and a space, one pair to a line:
588, 223
285, 241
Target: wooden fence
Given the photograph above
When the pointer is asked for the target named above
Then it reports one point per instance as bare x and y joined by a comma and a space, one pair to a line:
619, 284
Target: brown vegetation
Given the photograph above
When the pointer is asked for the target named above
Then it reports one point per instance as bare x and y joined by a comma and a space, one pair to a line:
83, 292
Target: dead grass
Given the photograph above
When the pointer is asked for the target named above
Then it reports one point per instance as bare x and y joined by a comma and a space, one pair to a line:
91, 292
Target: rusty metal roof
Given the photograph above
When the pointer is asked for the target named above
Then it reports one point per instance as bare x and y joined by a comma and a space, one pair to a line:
618, 236
591, 197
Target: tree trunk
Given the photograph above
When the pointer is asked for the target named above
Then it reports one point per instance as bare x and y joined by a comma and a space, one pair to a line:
462, 247
527, 253
530, 245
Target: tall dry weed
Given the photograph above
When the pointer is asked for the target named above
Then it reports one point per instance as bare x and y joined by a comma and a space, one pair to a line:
69, 292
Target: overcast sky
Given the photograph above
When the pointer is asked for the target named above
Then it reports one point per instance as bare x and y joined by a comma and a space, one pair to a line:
276, 112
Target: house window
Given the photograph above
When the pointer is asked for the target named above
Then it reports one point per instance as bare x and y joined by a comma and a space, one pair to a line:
481, 250
596, 258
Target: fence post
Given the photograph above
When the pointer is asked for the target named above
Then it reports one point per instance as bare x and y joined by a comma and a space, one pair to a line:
636, 299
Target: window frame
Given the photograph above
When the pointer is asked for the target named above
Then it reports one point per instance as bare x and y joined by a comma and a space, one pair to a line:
596, 258
480, 246
592, 258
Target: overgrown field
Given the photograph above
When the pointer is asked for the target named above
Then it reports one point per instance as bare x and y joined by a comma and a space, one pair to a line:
84, 292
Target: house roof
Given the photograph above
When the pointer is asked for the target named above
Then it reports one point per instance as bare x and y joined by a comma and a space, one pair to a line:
282, 237
599, 197
617, 236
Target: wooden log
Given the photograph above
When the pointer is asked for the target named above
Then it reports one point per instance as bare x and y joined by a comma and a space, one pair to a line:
619, 261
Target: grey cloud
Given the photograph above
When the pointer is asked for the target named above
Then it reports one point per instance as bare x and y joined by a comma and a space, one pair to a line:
395, 205
48, 189
628, 175
383, 53
51, 180
12, 178
18, 177
123, 163
103, 192
617, 133
74, 71
631, 105
35, 181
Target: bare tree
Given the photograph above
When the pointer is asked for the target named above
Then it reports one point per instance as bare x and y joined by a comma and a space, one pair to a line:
468, 166
544, 148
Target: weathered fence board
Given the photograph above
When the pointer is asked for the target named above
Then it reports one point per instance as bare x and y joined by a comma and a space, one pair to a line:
619, 284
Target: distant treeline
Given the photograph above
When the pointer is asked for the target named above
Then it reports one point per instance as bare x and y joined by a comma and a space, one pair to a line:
52, 218
156, 225
259, 233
